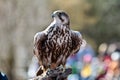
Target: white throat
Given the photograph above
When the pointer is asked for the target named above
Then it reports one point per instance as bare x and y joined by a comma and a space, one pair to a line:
57, 21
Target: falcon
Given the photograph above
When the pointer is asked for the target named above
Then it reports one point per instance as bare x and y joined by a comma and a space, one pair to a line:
53, 45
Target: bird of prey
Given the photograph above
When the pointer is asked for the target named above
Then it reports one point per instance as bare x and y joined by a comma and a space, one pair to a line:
53, 45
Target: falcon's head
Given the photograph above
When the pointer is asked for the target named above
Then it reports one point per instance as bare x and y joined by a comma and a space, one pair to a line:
60, 17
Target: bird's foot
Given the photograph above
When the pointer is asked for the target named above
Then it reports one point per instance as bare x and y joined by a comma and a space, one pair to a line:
64, 74
60, 68
49, 71
60, 73
55, 72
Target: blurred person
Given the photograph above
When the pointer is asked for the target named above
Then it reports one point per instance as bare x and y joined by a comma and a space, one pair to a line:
98, 68
33, 67
3, 76
116, 75
102, 49
104, 61
86, 71
114, 46
95, 68
113, 66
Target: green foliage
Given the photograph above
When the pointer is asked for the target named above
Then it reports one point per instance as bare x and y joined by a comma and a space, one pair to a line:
107, 27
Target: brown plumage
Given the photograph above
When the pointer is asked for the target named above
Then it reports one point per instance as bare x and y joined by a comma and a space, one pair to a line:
53, 45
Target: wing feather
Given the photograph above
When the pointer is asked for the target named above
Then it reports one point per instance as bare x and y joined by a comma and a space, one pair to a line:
76, 41
39, 39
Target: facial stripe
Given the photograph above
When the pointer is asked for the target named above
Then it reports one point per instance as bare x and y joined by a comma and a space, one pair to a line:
60, 17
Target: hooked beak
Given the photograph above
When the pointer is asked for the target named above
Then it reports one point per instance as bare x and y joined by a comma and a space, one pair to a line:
53, 15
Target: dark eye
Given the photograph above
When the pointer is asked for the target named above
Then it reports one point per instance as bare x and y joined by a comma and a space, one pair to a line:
60, 17
60, 13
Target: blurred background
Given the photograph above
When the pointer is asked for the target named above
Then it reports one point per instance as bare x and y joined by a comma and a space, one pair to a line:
97, 20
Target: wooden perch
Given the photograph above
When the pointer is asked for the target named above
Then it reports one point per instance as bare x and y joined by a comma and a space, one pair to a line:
56, 74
